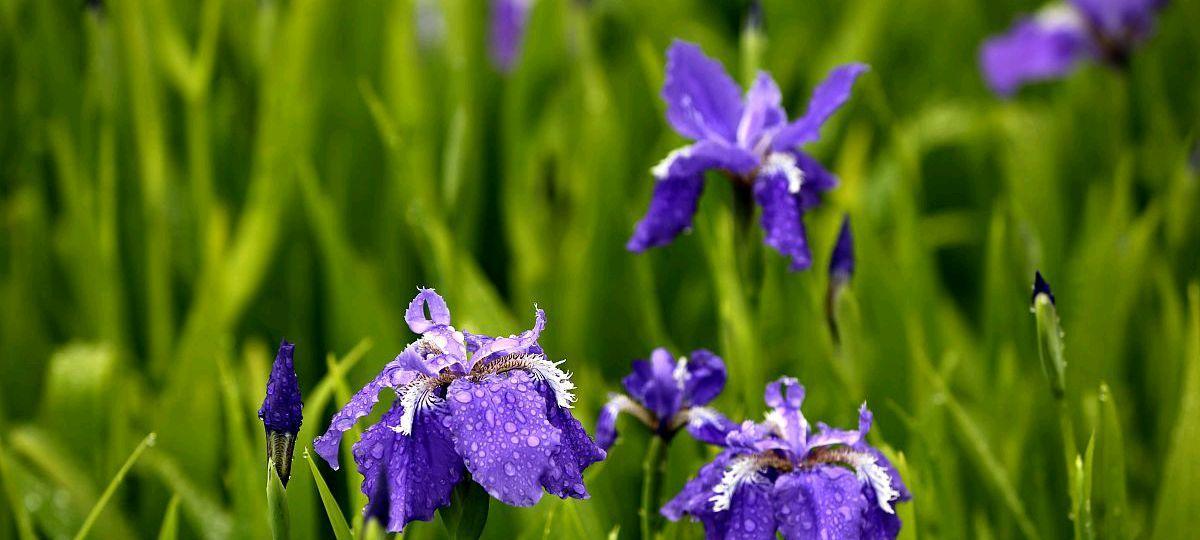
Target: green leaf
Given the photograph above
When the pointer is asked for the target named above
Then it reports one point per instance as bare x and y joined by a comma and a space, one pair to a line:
1178, 497
1110, 505
112, 487
1050, 344
277, 507
24, 523
1081, 493
467, 513
341, 530
170, 524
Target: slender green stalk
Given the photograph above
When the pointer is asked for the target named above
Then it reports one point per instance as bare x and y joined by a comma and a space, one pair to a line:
112, 487
652, 474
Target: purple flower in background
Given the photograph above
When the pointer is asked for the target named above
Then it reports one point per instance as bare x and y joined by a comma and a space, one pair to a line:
493, 407
841, 263
781, 475
1051, 43
281, 411
667, 394
750, 141
508, 20
1040, 287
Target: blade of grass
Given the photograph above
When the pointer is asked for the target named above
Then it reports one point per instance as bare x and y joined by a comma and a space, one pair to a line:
20, 514
112, 486
341, 530
170, 524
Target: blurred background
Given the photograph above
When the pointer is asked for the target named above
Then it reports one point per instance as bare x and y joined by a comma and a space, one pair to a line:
184, 183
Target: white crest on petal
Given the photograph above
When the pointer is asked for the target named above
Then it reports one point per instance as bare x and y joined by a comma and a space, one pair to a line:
703, 416
416, 396
743, 470
548, 371
663, 168
785, 164
867, 469
681, 374
1060, 16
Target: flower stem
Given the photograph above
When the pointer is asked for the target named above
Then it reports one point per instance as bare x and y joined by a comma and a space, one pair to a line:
277, 508
653, 469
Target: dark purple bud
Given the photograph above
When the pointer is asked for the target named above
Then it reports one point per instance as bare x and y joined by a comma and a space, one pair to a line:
1040, 287
841, 264
754, 16
281, 411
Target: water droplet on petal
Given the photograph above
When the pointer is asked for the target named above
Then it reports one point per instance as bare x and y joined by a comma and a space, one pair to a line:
510, 427
533, 440
463, 397
749, 525
509, 469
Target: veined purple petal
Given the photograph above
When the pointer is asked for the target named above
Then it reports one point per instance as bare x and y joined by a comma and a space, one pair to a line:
655, 385
508, 21
826, 99
281, 410
751, 513
693, 499
360, 405
762, 113
841, 263
564, 476
519, 344
825, 502
705, 377
709, 426
703, 102
421, 470
1046, 46
679, 182
499, 426
782, 213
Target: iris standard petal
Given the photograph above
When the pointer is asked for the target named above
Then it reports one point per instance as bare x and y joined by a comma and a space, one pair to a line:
520, 344
703, 101
785, 396
500, 428
825, 503
781, 217
655, 384
606, 422
826, 99
1046, 46
421, 469
439, 313
762, 113
705, 377
564, 476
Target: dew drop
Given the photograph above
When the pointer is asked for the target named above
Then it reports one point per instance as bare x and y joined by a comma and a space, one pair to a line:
533, 440
463, 397
491, 417
509, 469
510, 427
749, 525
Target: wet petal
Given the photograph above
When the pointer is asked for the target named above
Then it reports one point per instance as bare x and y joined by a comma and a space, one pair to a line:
703, 102
705, 377
785, 396
709, 426
751, 513
421, 469
781, 217
693, 499
762, 113
359, 406
500, 427
564, 476
439, 313
653, 383
1038, 48
826, 502
826, 99
521, 344
281, 410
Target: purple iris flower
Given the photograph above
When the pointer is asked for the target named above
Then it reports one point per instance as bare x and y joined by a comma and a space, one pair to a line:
1049, 44
781, 475
493, 407
281, 411
508, 20
667, 394
749, 140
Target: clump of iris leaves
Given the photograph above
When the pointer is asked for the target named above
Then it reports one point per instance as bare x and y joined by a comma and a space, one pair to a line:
182, 183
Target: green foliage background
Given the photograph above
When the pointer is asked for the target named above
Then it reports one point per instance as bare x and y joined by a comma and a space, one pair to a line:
184, 183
